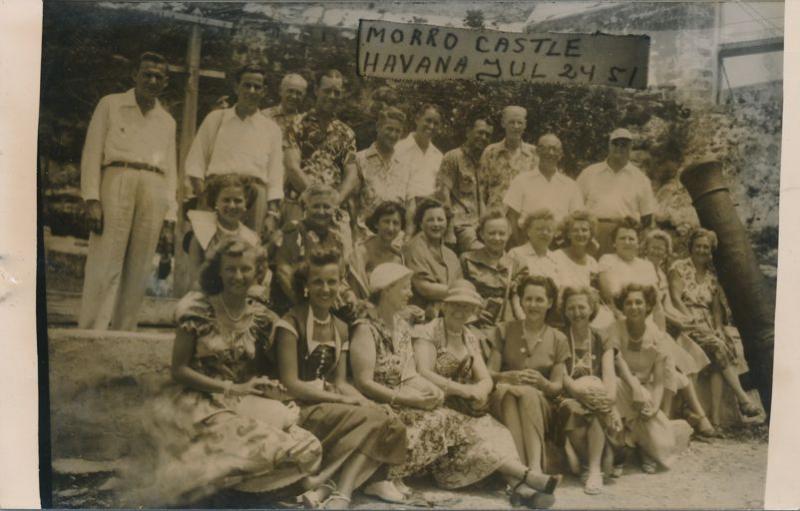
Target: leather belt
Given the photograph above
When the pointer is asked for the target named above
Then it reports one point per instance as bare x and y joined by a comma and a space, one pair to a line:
135, 166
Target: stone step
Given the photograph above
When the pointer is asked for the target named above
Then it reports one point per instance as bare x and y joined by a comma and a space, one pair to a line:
100, 384
63, 308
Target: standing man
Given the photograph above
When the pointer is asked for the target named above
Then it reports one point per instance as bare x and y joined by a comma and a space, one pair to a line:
502, 161
320, 149
128, 183
381, 176
459, 184
292, 93
546, 186
615, 188
241, 140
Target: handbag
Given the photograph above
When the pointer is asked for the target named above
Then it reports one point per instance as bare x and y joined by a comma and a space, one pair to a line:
462, 405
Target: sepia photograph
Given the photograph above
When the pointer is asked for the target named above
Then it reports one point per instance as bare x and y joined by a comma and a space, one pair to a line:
390, 255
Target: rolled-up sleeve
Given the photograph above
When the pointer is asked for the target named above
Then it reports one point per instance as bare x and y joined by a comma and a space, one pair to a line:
92, 157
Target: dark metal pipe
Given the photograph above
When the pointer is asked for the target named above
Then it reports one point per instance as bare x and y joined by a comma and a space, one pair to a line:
750, 299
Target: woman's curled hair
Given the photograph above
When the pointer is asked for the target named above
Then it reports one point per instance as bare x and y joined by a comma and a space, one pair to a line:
320, 256
649, 293
232, 246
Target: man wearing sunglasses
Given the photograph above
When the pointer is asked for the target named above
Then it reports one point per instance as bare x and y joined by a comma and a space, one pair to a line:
242, 140
615, 188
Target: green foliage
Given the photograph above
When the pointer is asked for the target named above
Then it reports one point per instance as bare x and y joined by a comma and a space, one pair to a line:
475, 19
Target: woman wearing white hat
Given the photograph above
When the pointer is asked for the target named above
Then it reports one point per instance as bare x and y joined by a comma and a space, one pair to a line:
384, 369
449, 355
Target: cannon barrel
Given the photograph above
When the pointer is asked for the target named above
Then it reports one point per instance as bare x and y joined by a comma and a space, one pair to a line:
751, 301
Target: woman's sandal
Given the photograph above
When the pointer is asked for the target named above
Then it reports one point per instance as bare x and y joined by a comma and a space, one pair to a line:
336, 496
543, 499
649, 467
312, 499
749, 409
593, 484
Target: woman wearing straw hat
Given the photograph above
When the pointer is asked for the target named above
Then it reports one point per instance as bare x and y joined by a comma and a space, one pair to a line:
449, 355
384, 369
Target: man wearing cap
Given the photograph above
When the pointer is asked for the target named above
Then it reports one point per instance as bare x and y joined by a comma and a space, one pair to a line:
459, 183
615, 188
503, 160
242, 140
292, 93
128, 183
546, 186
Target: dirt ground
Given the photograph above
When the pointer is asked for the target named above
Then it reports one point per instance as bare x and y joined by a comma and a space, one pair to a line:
726, 473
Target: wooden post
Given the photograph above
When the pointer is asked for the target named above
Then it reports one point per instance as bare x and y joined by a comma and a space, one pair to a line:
180, 282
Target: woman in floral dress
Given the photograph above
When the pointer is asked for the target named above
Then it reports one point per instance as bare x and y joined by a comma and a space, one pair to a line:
695, 292
357, 435
449, 355
221, 425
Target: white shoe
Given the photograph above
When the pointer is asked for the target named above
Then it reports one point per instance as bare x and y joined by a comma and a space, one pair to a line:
402, 487
386, 491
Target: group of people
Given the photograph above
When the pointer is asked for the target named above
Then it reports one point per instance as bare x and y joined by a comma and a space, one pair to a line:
360, 317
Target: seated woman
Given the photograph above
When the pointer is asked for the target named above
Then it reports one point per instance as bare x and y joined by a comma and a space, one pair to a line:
434, 265
357, 436
220, 427
384, 368
387, 221
489, 269
641, 366
449, 355
528, 363
319, 228
689, 359
622, 267
695, 292
535, 257
576, 268
587, 419
230, 195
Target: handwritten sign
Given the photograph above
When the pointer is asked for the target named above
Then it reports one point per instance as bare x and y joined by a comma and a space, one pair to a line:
412, 51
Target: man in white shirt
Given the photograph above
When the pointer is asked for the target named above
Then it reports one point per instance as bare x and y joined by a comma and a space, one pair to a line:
242, 140
546, 186
128, 183
615, 188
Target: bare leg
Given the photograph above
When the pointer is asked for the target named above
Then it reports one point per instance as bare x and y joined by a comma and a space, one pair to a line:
355, 470
511, 420
715, 384
732, 379
596, 441
689, 393
577, 437
533, 443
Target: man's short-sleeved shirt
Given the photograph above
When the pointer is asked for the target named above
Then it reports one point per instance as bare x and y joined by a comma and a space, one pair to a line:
381, 180
459, 183
423, 165
499, 166
530, 191
324, 153
281, 118
613, 195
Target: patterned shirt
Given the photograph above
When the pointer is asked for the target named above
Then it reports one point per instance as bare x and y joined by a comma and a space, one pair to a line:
458, 184
499, 166
323, 154
282, 119
381, 180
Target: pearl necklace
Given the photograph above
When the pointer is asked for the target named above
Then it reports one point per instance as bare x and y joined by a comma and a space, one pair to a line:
228, 312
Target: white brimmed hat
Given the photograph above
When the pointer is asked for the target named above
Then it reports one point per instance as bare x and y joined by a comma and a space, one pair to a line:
463, 291
386, 274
